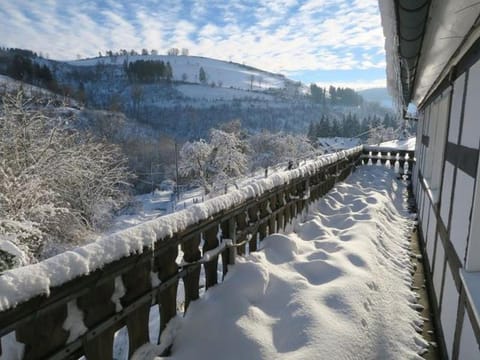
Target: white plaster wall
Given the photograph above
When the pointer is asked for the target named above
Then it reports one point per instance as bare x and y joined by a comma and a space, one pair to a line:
456, 109
448, 312
462, 205
439, 146
431, 120
471, 125
418, 143
469, 348
473, 251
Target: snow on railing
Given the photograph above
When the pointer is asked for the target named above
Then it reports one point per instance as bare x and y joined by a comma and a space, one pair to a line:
401, 160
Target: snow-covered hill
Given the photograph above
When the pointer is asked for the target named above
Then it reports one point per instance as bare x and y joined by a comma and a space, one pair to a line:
194, 95
218, 73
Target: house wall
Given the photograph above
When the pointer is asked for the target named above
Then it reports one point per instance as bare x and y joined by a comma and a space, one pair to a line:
446, 183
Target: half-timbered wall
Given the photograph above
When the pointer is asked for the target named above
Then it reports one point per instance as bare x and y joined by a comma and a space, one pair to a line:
447, 190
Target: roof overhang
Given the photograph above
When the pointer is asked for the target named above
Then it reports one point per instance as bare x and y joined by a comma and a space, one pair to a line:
423, 41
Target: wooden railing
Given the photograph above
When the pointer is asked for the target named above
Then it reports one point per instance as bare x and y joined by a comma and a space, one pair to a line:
401, 160
39, 322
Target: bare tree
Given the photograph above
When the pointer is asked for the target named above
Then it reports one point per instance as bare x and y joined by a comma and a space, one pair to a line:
56, 184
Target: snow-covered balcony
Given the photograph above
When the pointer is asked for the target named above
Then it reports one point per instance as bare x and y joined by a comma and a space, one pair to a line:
314, 260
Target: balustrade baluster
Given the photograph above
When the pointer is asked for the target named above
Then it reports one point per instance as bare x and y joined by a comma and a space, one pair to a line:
191, 253
210, 242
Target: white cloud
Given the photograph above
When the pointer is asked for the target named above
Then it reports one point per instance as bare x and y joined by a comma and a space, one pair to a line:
318, 35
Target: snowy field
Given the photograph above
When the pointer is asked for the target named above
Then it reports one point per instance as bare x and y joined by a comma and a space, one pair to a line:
336, 285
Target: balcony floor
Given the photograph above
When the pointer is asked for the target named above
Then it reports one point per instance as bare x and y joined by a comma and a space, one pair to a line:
337, 284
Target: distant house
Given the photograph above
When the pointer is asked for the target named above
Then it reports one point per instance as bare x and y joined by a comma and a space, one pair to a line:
433, 60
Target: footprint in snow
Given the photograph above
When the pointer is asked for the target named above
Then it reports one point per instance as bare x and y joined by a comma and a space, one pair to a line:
366, 306
328, 246
372, 285
356, 260
319, 255
318, 272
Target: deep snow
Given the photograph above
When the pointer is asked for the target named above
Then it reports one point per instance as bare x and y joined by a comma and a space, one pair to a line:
334, 286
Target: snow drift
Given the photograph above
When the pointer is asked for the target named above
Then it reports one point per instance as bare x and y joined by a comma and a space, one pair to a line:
337, 286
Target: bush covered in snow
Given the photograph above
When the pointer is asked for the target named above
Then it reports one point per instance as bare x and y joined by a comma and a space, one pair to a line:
55, 183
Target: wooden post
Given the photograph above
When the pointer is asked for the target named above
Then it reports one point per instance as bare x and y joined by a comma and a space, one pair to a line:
241, 224
232, 234
210, 242
97, 306
253, 218
383, 160
137, 282
225, 253
191, 253
280, 214
167, 299
44, 335
288, 207
262, 229
300, 201
272, 226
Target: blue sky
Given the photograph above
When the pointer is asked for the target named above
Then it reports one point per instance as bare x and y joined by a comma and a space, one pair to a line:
336, 42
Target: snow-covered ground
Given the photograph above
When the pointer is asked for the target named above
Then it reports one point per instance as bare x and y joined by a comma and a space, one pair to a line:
153, 205
336, 286
405, 144
7, 84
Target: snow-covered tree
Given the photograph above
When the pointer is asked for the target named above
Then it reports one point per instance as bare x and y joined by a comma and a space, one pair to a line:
56, 184
224, 157
195, 157
270, 149
230, 158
